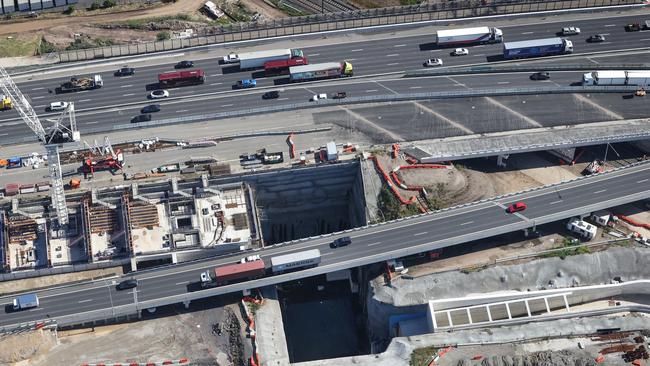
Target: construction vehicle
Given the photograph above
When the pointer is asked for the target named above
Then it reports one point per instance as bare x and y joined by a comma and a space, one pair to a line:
617, 77
110, 160
81, 83
594, 167
26, 301
477, 35
5, 103
232, 272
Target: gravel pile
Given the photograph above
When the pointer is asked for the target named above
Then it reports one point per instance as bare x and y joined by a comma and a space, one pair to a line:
561, 358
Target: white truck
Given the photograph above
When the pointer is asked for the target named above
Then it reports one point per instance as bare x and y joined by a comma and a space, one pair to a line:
640, 78
26, 301
584, 229
306, 258
477, 35
257, 59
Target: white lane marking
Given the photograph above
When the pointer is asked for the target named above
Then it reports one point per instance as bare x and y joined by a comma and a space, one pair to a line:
610, 25
92, 123
350, 59
40, 106
41, 97
604, 34
527, 32
418, 234
227, 105
601, 191
83, 91
357, 50
371, 90
82, 301
393, 64
479, 55
467, 223
393, 55
128, 95
215, 75
216, 83
126, 86
85, 100
399, 45
39, 88
605, 42
3, 134
373, 244
555, 202
283, 98
182, 111
322, 255
645, 39
182, 283
642, 181
314, 54
503, 82
415, 87
463, 85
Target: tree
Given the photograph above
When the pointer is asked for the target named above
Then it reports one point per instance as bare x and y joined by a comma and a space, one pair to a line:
164, 35
70, 9
95, 5
109, 3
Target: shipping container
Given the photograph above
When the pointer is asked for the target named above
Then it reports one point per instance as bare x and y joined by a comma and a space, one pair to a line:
307, 258
181, 78
477, 35
27, 188
537, 48
327, 70
12, 189
617, 77
281, 67
257, 59
233, 272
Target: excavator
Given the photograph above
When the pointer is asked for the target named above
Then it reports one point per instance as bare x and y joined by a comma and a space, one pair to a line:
5, 103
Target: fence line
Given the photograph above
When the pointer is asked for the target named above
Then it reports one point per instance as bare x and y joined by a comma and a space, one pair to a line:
338, 21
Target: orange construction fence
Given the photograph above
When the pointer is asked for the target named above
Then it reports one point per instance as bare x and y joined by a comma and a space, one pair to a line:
390, 184
632, 222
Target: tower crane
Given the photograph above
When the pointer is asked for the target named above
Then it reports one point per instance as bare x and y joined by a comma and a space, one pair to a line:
52, 139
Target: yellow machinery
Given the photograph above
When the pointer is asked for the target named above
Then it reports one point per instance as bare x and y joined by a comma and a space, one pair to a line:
5, 102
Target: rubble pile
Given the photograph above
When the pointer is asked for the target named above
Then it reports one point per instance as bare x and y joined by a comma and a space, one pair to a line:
637, 354
235, 342
548, 358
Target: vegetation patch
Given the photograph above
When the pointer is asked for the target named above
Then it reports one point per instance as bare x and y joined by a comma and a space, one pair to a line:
84, 42
568, 248
290, 11
14, 46
45, 47
422, 356
390, 208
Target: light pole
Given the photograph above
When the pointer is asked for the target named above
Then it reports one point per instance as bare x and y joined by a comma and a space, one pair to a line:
110, 296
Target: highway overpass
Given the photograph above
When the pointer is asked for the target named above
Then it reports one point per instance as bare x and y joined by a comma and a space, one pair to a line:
375, 243
121, 98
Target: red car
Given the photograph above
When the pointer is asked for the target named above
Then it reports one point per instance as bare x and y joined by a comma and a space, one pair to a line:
516, 207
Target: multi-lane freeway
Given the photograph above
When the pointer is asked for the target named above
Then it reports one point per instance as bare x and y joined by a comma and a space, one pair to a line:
369, 245
121, 98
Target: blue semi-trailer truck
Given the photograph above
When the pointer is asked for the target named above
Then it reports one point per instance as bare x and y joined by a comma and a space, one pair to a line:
537, 48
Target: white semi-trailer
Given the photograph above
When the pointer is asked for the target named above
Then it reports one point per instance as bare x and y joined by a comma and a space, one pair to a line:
477, 35
617, 77
287, 262
257, 59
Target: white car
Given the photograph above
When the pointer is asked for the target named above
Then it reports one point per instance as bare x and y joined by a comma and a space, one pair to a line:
318, 97
157, 94
570, 31
432, 62
58, 106
231, 58
460, 52
250, 258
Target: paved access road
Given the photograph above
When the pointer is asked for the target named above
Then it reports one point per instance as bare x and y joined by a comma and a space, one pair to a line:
375, 57
369, 245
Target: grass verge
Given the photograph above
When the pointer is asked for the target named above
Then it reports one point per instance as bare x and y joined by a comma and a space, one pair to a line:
422, 356
14, 46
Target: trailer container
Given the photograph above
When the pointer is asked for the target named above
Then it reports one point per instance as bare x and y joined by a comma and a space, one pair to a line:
307, 258
26, 301
617, 77
477, 35
327, 70
233, 272
255, 60
537, 48
27, 188
181, 78
281, 67
42, 186
12, 189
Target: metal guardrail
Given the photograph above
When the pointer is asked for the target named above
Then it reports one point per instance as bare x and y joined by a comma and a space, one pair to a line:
340, 21
523, 68
377, 99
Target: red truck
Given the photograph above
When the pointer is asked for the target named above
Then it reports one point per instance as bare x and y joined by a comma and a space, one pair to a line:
232, 273
281, 67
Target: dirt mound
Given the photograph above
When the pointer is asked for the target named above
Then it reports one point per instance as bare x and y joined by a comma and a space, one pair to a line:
548, 358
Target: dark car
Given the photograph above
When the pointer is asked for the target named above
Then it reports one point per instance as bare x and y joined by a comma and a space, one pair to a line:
125, 71
542, 75
150, 109
341, 242
596, 38
141, 118
127, 284
633, 27
184, 65
339, 95
516, 207
271, 95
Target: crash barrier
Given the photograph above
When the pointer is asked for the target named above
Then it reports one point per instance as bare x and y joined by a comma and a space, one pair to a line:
522, 68
341, 20
379, 99
181, 361
26, 327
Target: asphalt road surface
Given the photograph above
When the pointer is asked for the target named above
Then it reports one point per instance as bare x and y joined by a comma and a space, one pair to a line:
369, 245
121, 97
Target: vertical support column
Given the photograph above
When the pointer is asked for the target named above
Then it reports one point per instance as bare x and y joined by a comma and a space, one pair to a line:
527, 307
489, 312
548, 309
126, 218
4, 233
451, 324
469, 316
566, 303
85, 226
508, 310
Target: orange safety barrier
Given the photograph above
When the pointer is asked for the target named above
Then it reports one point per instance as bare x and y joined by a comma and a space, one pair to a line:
117, 364
39, 325
632, 221
636, 362
395, 178
395, 151
390, 185
134, 364
183, 360
600, 359
476, 358
168, 362
425, 166
292, 146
